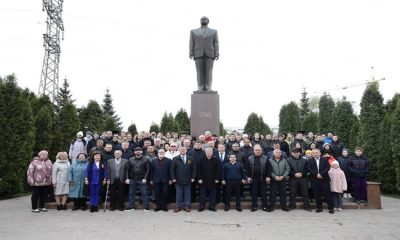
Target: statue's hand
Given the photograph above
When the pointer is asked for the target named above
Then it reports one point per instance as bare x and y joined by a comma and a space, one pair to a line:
191, 56
216, 58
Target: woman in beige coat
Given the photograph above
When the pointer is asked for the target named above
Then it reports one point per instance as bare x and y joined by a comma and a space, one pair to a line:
60, 180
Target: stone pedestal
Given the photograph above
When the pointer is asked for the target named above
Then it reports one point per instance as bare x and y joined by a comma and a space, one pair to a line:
204, 115
374, 195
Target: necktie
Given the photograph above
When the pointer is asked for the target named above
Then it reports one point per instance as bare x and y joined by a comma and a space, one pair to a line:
184, 159
222, 158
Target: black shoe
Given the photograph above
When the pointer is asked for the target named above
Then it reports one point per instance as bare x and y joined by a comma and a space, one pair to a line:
75, 208
253, 209
318, 210
292, 207
285, 209
83, 208
165, 209
239, 209
331, 211
64, 207
91, 209
265, 209
96, 209
212, 209
226, 208
157, 209
58, 207
113, 209
200, 209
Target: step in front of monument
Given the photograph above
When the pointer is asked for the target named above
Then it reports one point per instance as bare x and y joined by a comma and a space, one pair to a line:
347, 204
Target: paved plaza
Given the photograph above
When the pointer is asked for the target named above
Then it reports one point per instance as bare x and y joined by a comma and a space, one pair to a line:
17, 223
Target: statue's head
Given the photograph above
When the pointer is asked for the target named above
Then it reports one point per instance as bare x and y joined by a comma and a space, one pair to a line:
204, 21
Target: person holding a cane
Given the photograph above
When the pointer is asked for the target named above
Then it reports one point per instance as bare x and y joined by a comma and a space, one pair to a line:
95, 178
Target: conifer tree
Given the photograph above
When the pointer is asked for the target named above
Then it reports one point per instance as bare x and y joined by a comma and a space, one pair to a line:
371, 117
326, 107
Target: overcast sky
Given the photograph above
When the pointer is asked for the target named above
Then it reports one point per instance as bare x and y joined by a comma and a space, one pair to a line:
269, 51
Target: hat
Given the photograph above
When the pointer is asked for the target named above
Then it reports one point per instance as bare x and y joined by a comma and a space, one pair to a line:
335, 163
138, 149
80, 133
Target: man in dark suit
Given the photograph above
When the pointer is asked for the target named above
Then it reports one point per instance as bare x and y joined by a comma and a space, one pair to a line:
209, 169
320, 181
204, 49
222, 157
160, 179
183, 173
117, 180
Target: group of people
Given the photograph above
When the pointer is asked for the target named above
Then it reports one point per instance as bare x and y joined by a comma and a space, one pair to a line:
218, 167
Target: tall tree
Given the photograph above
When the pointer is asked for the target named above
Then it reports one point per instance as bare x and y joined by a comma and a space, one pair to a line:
154, 127
264, 128
183, 121
222, 131
132, 129
168, 124
64, 95
310, 123
342, 120
91, 117
67, 125
326, 107
255, 124
109, 113
385, 167
371, 117
304, 105
289, 118
17, 136
43, 129
395, 142
354, 131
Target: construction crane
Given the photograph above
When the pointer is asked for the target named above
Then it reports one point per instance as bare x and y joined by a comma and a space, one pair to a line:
367, 82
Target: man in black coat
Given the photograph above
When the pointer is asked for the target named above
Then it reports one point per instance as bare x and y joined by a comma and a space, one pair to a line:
320, 181
209, 176
183, 173
196, 153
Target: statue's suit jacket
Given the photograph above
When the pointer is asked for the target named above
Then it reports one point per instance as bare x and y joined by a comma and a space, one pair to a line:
204, 44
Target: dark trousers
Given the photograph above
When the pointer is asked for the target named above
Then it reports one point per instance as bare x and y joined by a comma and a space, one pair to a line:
204, 66
277, 186
183, 195
258, 188
80, 203
39, 194
301, 184
360, 188
193, 191
321, 187
161, 194
212, 194
232, 189
221, 193
117, 194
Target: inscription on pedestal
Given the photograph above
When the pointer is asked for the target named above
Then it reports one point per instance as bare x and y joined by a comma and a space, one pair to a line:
204, 114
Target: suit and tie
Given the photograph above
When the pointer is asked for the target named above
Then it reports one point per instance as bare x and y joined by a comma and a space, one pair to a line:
117, 173
183, 171
320, 186
204, 48
160, 176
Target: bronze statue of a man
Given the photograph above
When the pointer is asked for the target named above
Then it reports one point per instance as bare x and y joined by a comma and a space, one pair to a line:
204, 49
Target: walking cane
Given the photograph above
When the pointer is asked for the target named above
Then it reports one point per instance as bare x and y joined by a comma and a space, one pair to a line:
105, 201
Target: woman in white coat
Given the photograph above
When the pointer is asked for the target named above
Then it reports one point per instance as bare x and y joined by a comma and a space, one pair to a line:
60, 182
